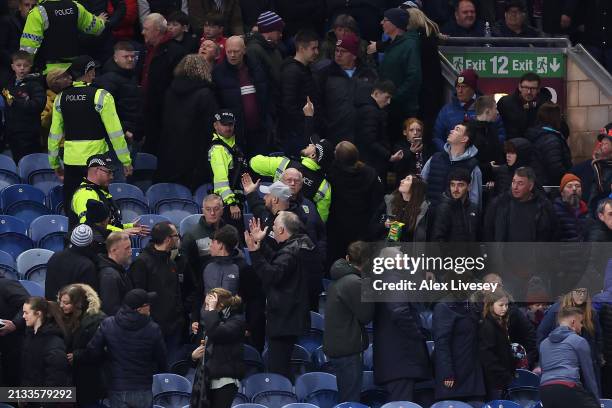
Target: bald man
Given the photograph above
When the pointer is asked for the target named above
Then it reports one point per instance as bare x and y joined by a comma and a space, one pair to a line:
242, 87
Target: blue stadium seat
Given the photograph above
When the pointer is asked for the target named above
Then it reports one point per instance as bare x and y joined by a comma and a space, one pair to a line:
300, 405
322, 301
270, 390
168, 382
202, 192
501, 404
401, 404
426, 319
130, 199
325, 282
10, 224
149, 220
524, 379
539, 405
188, 223
34, 169
55, 200
144, 165
249, 405
351, 405
372, 395
49, 231
605, 403
240, 398
451, 404
317, 388
246, 218
135, 253
32, 264
368, 358
13, 236
252, 360
430, 346
314, 338
33, 288
8, 172
171, 200
247, 256
8, 269
24, 202
321, 361
172, 399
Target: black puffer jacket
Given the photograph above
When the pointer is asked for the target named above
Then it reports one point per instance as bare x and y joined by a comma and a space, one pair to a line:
340, 95
43, 360
114, 284
72, 265
371, 140
456, 221
123, 85
29, 101
297, 82
597, 231
495, 354
553, 153
154, 271
572, 221
227, 337
136, 346
188, 121
284, 277
490, 149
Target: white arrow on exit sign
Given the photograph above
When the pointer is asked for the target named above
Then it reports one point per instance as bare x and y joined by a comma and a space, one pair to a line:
554, 65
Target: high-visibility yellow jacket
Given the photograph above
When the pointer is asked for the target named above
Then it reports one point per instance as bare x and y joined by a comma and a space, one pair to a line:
223, 164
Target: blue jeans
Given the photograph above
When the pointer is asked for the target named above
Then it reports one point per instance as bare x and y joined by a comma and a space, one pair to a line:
349, 377
131, 399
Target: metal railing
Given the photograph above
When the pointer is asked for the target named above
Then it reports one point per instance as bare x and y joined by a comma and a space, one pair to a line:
592, 68
482, 41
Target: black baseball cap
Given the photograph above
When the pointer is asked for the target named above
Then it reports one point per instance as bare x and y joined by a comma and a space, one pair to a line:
520, 4
137, 298
81, 65
101, 160
225, 116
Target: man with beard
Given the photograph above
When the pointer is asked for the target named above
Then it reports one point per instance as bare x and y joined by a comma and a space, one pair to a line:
570, 209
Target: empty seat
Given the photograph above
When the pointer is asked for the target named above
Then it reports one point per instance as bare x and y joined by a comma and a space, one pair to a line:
321, 361
372, 395
55, 200
317, 388
270, 390
32, 264
249, 405
49, 231
130, 200
8, 269
202, 192
300, 360
24, 202
33, 288
171, 200
300, 405
368, 358
171, 390
188, 223
525, 388
8, 172
430, 346
252, 360
351, 405
501, 404
401, 404
451, 404
13, 236
149, 220
605, 403
34, 169
240, 398
314, 338
144, 165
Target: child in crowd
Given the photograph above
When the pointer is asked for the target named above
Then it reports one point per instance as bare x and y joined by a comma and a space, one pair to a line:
25, 100
495, 348
213, 30
415, 154
178, 26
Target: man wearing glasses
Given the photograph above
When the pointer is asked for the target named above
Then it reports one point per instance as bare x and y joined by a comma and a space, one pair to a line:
100, 170
519, 110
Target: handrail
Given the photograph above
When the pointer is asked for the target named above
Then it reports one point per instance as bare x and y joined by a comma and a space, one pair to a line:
548, 41
592, 68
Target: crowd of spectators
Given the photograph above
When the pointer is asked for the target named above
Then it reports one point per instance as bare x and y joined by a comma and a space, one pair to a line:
340, 106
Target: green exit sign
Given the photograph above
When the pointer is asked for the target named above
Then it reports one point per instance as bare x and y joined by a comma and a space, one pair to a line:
507, 64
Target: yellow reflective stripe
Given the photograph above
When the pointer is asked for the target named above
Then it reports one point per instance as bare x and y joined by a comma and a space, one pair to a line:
225, 194
114, 135
29, 50
100, 99
220, 184
57, 102
55, 136
122, 151
53, 153
322, 190
45, 17
76, 152
281, 167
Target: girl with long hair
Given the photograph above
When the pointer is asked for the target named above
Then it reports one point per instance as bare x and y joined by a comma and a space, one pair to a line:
43, 361
406, 205
495, 349
82, 316
219, 358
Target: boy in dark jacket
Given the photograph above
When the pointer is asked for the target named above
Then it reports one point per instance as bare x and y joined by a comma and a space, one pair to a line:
344, 337
25, 99
178, 26
487, 140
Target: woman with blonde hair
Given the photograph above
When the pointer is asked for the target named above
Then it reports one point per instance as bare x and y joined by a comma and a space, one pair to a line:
591, 329
189, 107
219, 357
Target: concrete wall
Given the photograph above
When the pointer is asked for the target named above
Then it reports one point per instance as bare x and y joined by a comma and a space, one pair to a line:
588, 110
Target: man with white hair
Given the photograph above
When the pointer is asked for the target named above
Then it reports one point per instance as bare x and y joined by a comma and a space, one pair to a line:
161, 57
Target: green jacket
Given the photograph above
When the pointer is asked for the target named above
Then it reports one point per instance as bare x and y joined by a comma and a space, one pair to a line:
402, 66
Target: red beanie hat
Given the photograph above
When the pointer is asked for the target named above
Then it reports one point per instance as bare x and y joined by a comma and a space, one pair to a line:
349, 42
468, 77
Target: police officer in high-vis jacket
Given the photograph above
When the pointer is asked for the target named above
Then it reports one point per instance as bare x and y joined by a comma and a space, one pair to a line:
226, 161
315, 187
86, 119
51, 28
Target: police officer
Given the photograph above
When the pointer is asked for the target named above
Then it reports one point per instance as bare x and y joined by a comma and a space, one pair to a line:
100, 169
315, 187
227, 162
51, 28
85, 117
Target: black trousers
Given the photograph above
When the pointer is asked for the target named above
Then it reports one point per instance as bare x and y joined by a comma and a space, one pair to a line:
561, 396
223, 397
279, 354
73, 176
401, 389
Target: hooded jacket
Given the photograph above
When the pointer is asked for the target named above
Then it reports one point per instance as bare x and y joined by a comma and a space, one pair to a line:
135, 347
518, 115
553, 154
43, 359
565, 356
370, 134
284, 277
436, 170
114, 284
503, 174
223, 272
86, 376
490, 147
456, 221
345, 314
